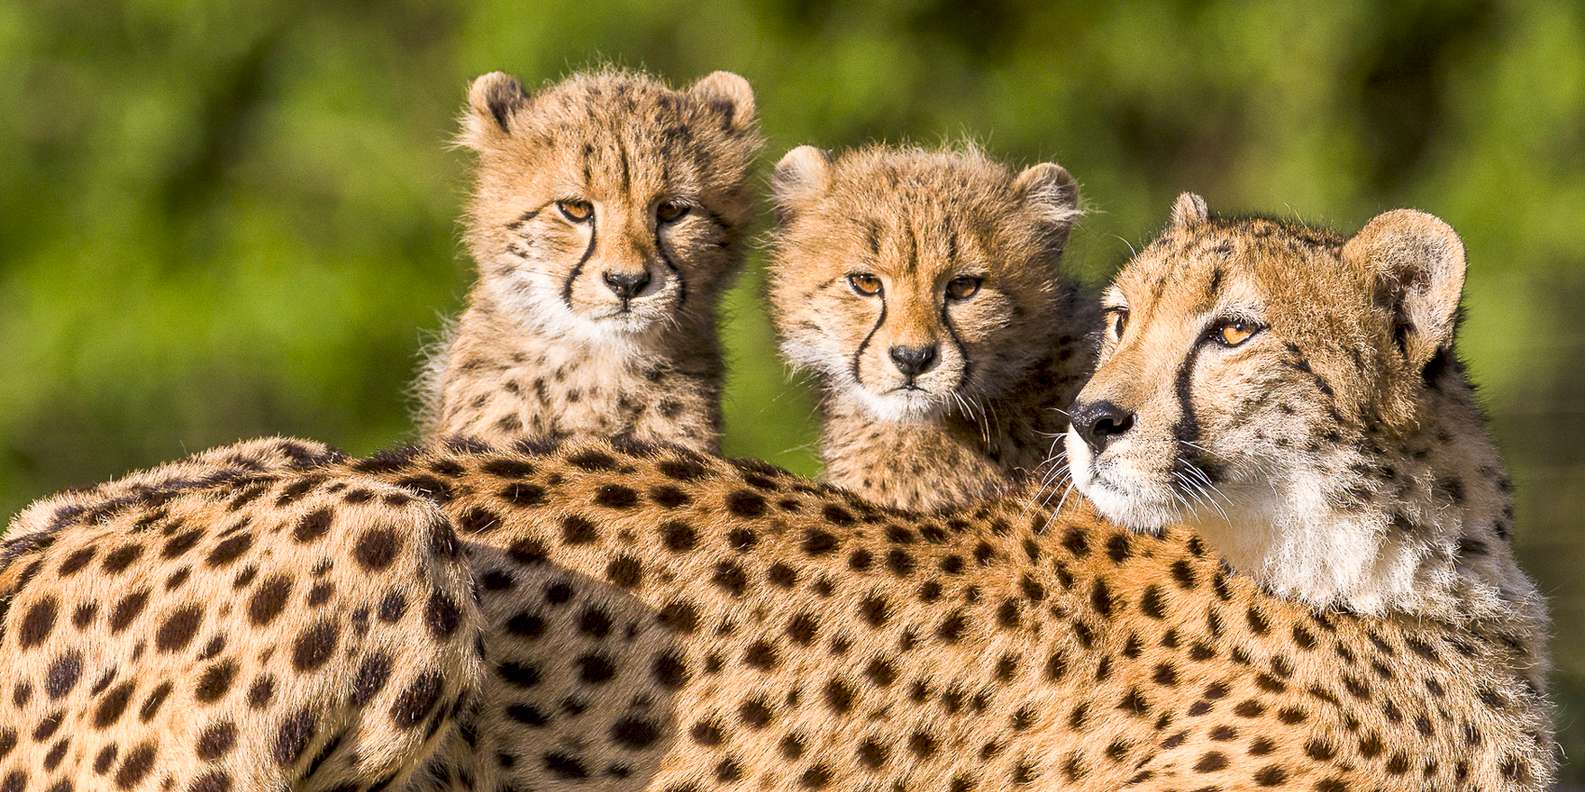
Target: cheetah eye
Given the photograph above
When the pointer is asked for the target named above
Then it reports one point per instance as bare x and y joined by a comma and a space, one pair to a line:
1116, 322
671, 211
964, 287
1234, 332
865, 284
576, 211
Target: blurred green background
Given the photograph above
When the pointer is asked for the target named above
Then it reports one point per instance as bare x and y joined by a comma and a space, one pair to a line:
224, 220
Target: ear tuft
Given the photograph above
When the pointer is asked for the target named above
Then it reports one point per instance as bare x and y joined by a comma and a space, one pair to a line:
1189, 210
1051, 192
492, 99
801, 177
728, 92
1417, 262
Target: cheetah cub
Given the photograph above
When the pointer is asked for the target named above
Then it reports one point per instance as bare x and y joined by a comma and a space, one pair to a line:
925, 290
606, 220
1295, 397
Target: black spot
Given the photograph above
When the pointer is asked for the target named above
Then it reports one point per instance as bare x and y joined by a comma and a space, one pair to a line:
216, 740
595, 668
63, 674
729, 577
635, 733
315, 645
373, 673
577, 530
565, 765
177, 630
625, 571
135, 766
615, 496
521, 494
415, 701
313, 525
215, 681
269, 599
442, 616
292, 737
37, 623
745, 503
670, 670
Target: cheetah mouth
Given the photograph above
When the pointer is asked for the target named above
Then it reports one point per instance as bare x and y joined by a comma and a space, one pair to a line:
1125, 498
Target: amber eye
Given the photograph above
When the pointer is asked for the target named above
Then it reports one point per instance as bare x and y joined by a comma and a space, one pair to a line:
1233, 332
964, 287
671, 211
865, 283
1116, 322
576, 211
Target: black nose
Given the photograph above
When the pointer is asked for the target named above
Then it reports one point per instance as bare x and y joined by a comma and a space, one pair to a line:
1099, 422
626, 285
913, 360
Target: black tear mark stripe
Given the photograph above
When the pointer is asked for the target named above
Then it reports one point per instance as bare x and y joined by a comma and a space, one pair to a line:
957, 343
1187, 430
665, 258
627, 174
577, 269
863, 345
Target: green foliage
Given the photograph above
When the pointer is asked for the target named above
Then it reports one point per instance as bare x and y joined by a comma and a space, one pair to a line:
220, 220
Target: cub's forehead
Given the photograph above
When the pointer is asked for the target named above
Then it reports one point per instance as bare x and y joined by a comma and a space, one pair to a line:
631, 130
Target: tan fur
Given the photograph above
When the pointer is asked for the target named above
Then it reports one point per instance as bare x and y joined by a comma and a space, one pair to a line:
665, 621
229, 622
546, 346
1004, 362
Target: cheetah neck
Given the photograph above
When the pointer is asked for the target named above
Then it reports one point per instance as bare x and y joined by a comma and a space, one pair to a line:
959, 456
498, 379
1417, 522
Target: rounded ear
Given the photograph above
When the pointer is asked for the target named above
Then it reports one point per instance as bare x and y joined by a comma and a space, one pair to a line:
492, 99
728, 93
1417, 263
1050, 191
801, 177
1189, 210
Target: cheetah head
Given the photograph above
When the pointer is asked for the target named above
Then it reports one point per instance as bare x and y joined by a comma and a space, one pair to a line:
608, 206
1256, 376
917, 281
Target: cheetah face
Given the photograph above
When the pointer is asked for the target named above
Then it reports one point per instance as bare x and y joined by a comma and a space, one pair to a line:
911, 281
608, 207
1245, 360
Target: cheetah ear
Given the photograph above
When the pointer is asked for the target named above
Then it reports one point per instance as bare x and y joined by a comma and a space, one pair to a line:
1051, 192
492, 99
729, 94
802, 176
1417, 263
1189, 210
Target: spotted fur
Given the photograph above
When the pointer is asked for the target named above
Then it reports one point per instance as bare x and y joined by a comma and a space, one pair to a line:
662, 620
981, 410
237, 620
602, 325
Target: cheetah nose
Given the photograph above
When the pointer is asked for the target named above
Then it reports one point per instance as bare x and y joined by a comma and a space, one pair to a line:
913, 360
1101, 422
626, 285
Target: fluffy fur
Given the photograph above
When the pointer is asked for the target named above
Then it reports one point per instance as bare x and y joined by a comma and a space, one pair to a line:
982, 411
606, 220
